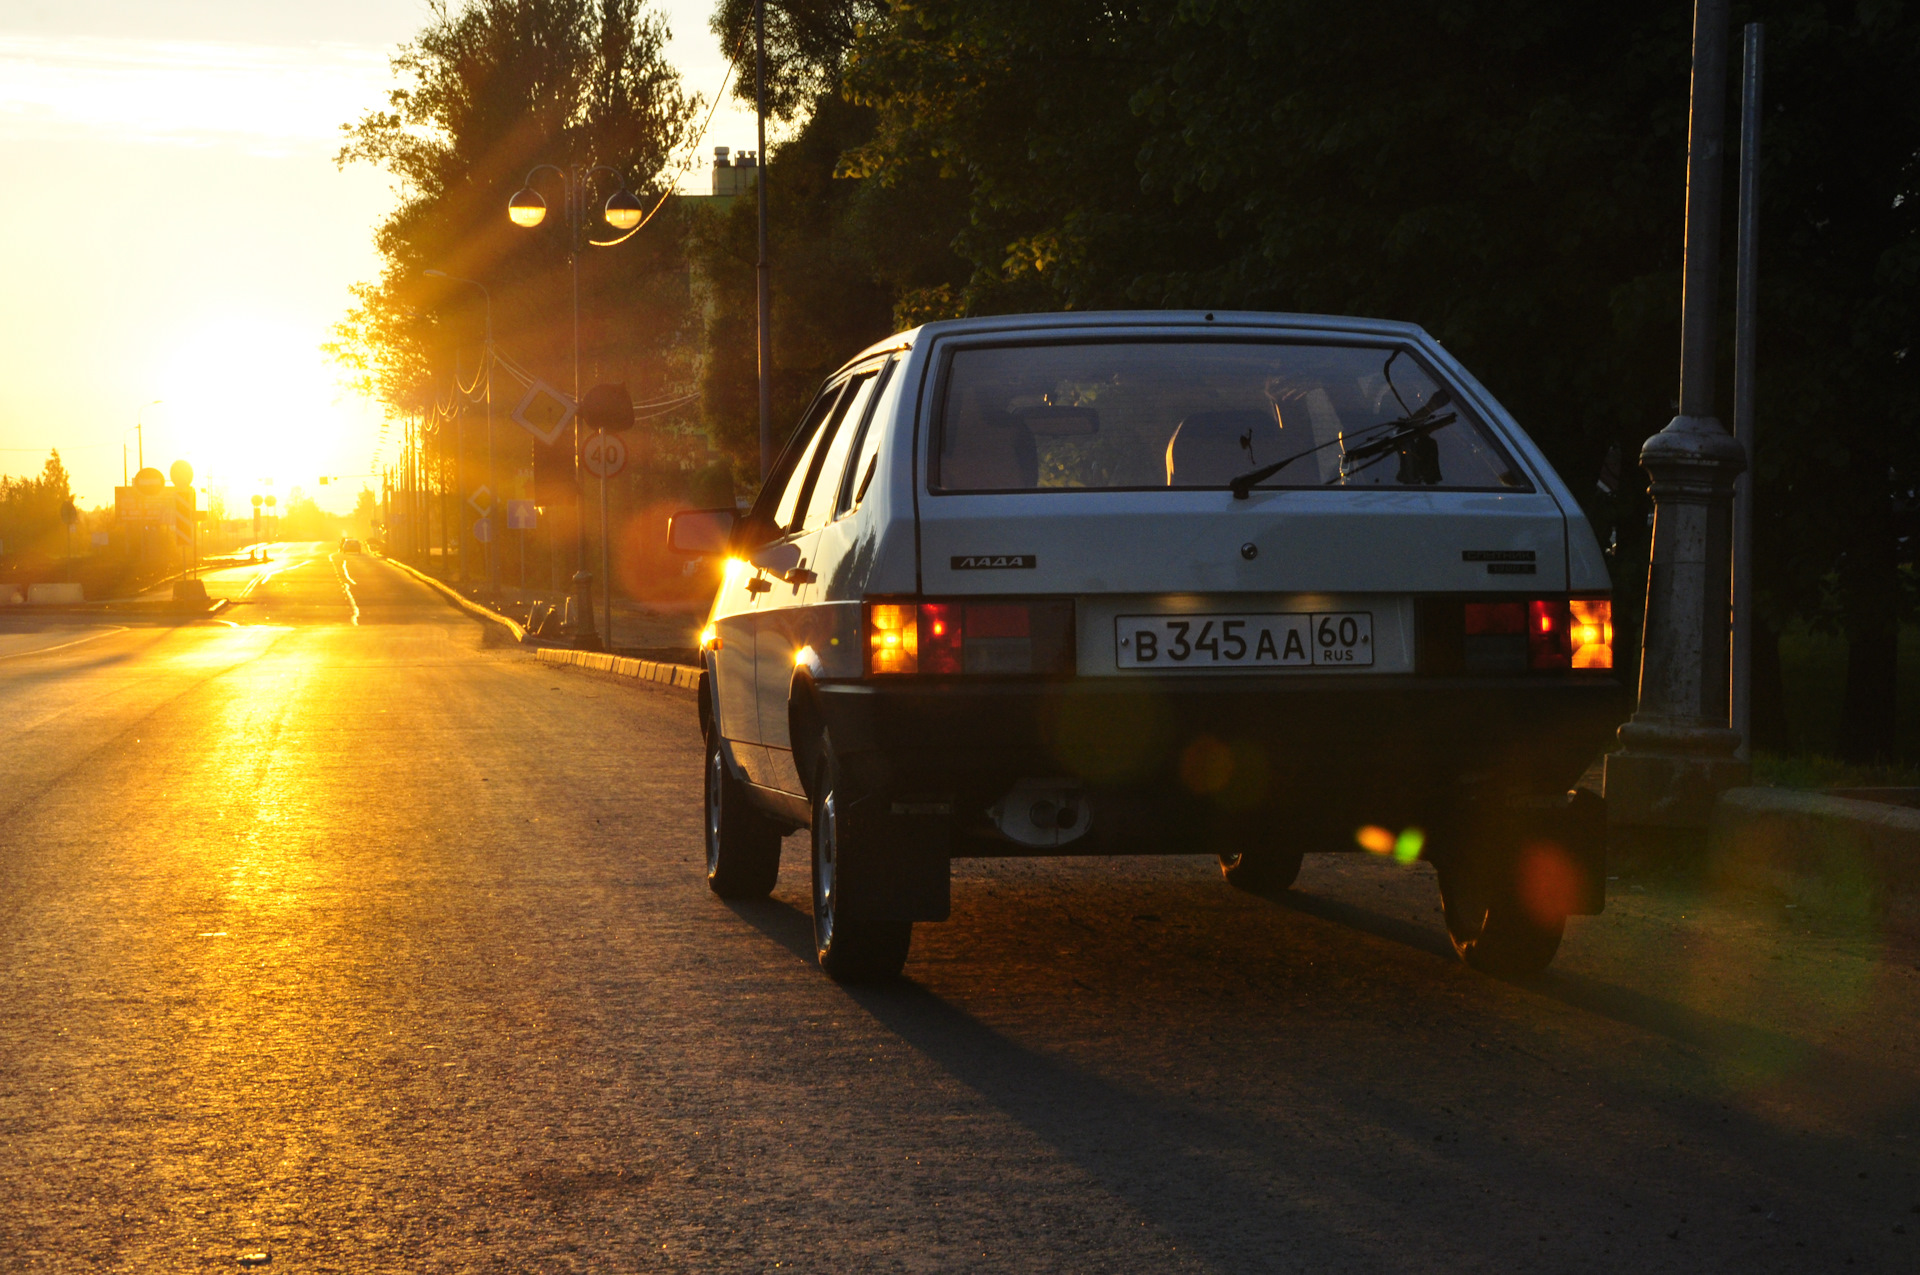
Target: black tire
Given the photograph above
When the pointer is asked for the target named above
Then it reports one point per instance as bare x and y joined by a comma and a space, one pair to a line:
743, 845
864, 947
1491, 929
1265, 872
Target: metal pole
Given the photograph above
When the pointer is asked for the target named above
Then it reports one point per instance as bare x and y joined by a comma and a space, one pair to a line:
493, 489
583, 635
1745, 334
606, 566
1706, 149
763, 272
459, 466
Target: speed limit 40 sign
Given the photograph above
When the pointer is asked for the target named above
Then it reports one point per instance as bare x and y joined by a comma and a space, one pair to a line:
604, 455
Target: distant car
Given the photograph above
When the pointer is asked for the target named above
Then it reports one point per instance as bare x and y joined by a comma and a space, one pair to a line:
1158, 583
350, 545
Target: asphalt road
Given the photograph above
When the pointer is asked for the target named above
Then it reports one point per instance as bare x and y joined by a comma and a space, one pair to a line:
333, 932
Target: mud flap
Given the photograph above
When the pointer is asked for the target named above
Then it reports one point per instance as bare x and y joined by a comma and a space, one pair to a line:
895, 864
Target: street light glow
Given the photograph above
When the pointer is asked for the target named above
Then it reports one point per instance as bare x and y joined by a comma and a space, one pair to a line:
527, 208
623, 210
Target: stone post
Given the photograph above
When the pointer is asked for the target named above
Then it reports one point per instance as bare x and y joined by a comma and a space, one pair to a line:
1677, 753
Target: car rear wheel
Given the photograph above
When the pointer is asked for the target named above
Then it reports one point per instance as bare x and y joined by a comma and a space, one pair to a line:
862, 944
1491, 926
743, 845
1262, 871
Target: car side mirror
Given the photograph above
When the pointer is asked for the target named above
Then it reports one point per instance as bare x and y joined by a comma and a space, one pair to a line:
701, 531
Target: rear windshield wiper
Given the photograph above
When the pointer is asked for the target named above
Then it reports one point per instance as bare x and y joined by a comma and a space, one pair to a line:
1415, 423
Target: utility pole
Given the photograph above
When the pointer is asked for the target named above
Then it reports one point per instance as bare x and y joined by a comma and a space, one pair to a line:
1677, 753
1745, 335
763, 274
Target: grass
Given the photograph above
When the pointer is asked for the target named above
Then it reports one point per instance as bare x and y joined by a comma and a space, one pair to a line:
1812, 770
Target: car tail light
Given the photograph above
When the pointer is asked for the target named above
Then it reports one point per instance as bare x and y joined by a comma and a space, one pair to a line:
893, 638
1540, 635
1591, 634
964, 635
1487, 618
1547, 634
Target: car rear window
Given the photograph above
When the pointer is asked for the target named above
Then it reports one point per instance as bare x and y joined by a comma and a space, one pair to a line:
1137, 415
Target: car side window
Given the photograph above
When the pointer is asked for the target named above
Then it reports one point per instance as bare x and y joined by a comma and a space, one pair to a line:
761, 524
865, 448
797, 480
826, 488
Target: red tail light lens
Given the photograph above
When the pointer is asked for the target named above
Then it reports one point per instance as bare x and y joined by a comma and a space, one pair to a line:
1485, 618
942, 638
957, 636
1547, 634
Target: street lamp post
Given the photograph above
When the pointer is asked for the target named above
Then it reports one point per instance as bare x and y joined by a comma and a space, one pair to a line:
138, 430
1677, 752
622, 211
493, 490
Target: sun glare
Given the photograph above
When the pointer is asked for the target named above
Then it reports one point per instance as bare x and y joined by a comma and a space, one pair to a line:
254, 405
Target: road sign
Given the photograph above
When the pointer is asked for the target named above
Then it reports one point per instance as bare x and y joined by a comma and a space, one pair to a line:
482, 530
604, 455
522, 515
149, 482
183, 510
481, 500
130, 504
544, 412
607, 407
182, 473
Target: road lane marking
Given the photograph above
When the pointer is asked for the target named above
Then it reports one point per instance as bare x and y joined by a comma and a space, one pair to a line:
45, 650
346, 584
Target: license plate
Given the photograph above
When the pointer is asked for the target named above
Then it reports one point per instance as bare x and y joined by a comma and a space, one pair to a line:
1321, 639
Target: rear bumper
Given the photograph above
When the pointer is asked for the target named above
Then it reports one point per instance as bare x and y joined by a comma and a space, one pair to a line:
1159, 757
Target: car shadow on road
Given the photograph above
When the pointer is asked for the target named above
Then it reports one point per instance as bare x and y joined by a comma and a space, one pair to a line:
1225, 1190
1421, 938
1709, 1033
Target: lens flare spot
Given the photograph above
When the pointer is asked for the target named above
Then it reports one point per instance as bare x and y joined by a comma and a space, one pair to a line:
1375, 839
1206, 766
1549, 881
1408, 845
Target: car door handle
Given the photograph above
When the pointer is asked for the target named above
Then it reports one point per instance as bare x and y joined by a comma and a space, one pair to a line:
758, 585
800, 575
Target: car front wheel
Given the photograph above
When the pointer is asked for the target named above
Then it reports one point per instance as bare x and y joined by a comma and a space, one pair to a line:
862, 944
743, 846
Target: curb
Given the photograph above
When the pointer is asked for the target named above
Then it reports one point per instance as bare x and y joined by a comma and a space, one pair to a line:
684, 677
453, 595
1864, 848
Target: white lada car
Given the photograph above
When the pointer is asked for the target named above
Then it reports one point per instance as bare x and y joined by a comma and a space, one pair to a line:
1249, 585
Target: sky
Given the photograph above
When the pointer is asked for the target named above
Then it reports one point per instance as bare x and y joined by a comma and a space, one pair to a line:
177, 231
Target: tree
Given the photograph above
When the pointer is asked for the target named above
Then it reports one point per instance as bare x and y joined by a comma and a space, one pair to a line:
488, 92
30, 523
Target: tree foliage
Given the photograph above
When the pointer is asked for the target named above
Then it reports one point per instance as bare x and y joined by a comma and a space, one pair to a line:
488, 92
30, 523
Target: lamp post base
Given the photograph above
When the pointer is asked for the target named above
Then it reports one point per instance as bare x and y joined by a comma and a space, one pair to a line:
1670, 776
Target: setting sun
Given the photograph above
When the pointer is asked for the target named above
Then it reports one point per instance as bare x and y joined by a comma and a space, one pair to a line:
254, 405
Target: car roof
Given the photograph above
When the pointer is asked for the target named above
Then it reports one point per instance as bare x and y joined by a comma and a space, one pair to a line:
1106, 320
